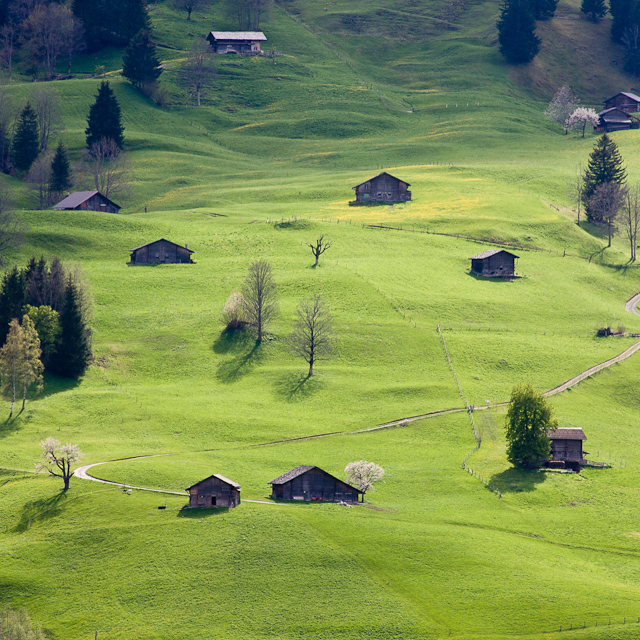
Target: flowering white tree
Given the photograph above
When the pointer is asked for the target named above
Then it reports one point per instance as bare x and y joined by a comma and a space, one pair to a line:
581, 117
564, 103
363, 474
57, 459
233, 311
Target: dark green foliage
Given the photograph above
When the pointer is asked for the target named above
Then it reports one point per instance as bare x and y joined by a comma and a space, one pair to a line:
12, 299
140, 64
621, 17
529, 422
44, 283
130, 17
74, 346
105, 119
60, 171
595, 9
517, 32
605, 165
47, 323
110, 22
26, 143
544, 9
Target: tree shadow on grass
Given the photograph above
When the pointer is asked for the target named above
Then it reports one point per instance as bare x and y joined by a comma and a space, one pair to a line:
54, 384
200, 513
248, 352
39, 511
10, 425
518, 480
296, 387
233, 340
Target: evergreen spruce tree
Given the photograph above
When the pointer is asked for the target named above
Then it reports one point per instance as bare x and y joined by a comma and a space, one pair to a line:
544, 9
139, 62
621, 17
26, 142
74, 346
605, 165
60, 171
129, 18
104, 119
595, 9
12, 299
92, 15
517, 32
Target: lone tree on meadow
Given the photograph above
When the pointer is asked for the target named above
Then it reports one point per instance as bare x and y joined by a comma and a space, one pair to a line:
318, 248
630, 217
605, 204
312, 338
198, 69
563, 104
529, 422
140, 65
581, 117
233, 312
605, 165
190, 6
57, 459
517, 32
260, 297
594, 9
105, 118
26, 142
363, 474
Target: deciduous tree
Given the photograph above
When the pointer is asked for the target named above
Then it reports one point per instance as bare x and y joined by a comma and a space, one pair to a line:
11, 363
517, 32
529, 422
190, 6
39, 177
31, 365
105, 118
630, 217
46, 104
605, 204
26, 142
362, 474
106, 167
260, 296
233, 312
582, 117
198, 70
318, 248
47, 323
248, 13
563, 104
58, 459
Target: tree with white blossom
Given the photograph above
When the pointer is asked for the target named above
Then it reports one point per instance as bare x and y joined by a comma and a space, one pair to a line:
581, 117
363, 474
57, 459
564, 103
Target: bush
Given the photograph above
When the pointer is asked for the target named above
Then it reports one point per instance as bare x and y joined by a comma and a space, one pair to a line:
233, 312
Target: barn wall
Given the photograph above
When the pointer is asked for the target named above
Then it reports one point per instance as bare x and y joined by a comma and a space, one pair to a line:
622, 102
225, 495
161, 252
383, 189
315, 484
94, 203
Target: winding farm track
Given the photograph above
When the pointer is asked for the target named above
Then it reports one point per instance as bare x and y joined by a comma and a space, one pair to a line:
631, 306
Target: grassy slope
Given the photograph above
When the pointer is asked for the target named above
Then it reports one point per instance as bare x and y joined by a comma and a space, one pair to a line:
438, 554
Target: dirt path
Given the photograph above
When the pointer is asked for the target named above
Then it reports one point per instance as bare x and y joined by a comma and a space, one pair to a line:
632, 304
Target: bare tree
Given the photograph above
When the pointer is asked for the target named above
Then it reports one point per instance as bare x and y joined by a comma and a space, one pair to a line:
630, 217
248, 13
233, 312
39, 176
312, 338
563, 104
197, 71
57, 459
46, 103
581, 117
319, 248
107, 168
260, 297
7, 122
190, 6
363, 474
605, 204
11, 228
9, 34
576, 189
74, 42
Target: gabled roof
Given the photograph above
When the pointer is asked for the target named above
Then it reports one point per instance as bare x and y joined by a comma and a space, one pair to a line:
567, 433
161, 240
240, 35
625, 116
301, 470
491, 252
77, 198
233, 484
631, 96
384, 173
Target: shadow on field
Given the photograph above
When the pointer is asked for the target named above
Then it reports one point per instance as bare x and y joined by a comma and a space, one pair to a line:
55, 384
201, 512
518, 480
9, 426
247, 353
39, 511
295, 387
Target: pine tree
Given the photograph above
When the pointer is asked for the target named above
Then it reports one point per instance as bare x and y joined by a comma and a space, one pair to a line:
139, 62
26, 143
104, 119
605, 165
595, 9
517, 32
92, 15
129, 18
544, 9
74, 347
60, 171
621, 17
12, 299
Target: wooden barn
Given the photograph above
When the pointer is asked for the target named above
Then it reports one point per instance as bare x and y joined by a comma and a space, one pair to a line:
494, 263
311, 484
244, 42
627, 102
566, 444
383, 188
87, 201
615, 119
214, 491
161, 252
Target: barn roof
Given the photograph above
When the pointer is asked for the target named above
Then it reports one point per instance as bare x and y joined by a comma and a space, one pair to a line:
624, 116
241, 35
301, 470
77, 198
631, 96
491, 252
161, 240
567, 433
235, 485
383, 173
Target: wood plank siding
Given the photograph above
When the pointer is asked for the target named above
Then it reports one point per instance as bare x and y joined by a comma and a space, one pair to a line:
627, 102
242, 42
161, 252
214, 491
87, 201
383, 188
312, 484
494, 263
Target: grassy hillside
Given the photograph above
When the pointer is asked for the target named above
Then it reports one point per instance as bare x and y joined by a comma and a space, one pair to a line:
262, 169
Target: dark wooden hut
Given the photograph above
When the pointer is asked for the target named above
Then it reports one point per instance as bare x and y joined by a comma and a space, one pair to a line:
494, 263
161, 251
244, 42
615, 119
566, 445
383, 188
627, 102
312, 483
214, 491
87, 201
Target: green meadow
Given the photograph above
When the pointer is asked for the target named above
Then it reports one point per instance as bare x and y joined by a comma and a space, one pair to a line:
264, 167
